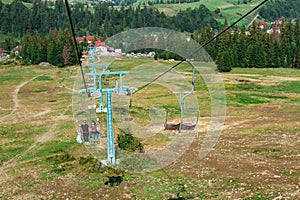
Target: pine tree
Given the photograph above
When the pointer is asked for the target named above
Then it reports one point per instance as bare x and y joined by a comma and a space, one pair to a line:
241, 47
235, 61
297, 59
224, 62
36, 47
247, 57
8, 43
42, 53
205, 36
51, 53
260, 56
279, 56
271, 55
17, 20
224, 41
26, 51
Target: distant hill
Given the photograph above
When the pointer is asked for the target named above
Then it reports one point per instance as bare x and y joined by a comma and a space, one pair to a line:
232, 9
223, 9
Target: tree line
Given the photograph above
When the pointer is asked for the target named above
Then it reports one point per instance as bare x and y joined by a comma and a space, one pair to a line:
255, 49
45, 34
57, 48
171, 1
43, 29
102, 21
280, 8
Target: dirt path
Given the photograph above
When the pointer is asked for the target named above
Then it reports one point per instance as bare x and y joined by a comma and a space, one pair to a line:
256, 16
67, 88
16, 99
49, 135
46, 136
226, 6
257, 79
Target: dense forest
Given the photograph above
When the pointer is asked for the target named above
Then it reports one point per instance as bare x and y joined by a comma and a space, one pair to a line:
232, 49
171, 1
280, 8
256, 49
46, 19
95, 2
104, 21
45, 34
57, 48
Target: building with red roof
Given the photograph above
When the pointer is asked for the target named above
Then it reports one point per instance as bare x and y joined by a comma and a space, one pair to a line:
99, 45
80, 39
277, 22
263, 25
89, 39
3, 52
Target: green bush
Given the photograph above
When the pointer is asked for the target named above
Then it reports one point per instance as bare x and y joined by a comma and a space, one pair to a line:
91, 164
224, 68
61, 158
128, 142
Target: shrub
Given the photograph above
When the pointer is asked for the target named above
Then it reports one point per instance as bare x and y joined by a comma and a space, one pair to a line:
128, 142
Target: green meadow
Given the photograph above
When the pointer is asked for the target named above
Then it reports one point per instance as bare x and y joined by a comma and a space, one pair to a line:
256, 157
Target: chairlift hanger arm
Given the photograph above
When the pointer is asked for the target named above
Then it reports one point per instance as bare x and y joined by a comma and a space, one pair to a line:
106, 73
212, 39
193, 85
97, 64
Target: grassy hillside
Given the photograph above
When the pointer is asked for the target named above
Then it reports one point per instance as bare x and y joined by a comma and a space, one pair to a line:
256, 157
229, 9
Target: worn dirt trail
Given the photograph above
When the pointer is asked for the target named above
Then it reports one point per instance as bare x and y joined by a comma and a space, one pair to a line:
15, 98
46, 136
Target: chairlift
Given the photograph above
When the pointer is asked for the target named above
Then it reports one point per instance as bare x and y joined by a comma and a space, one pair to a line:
90, 79
171, 125
96, 94
86, 112
123, 90
183, 125
190, 125
90, 107
90, 84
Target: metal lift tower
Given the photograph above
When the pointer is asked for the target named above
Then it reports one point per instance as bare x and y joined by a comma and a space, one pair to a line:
98, 88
